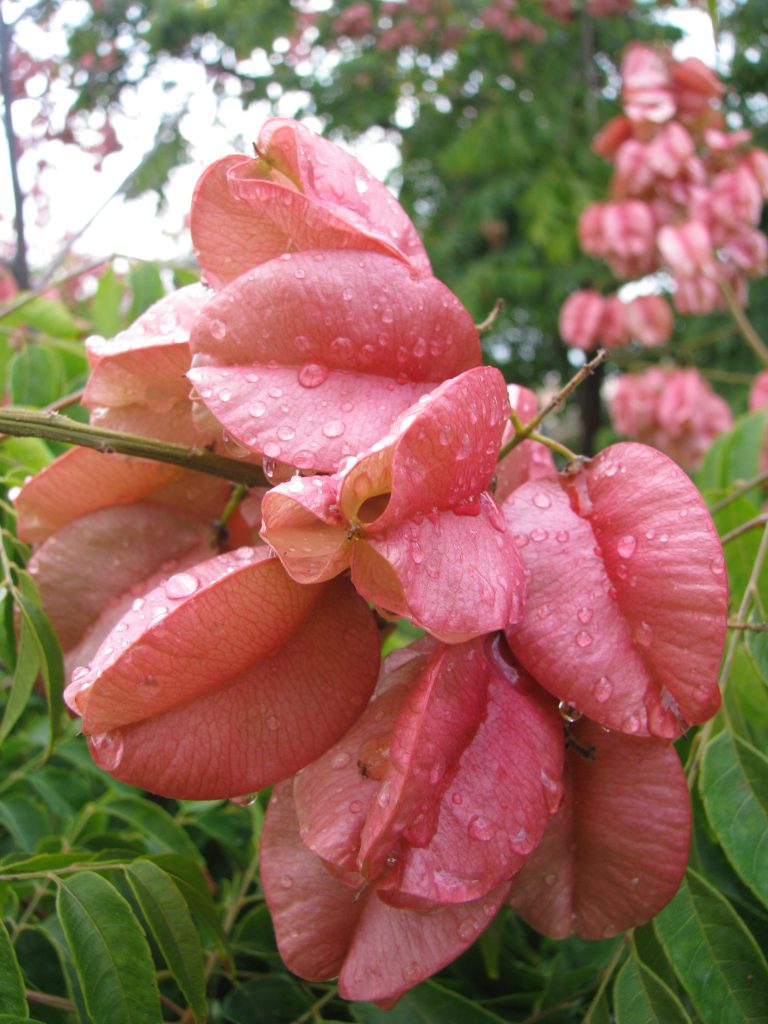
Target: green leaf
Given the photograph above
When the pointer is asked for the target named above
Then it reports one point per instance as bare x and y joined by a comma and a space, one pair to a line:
158, 829
735, 456
106, 316
44, 315
598, 1012
734, 786
110, 952
746, 699
426, 1004
26, 821
714, 955
146, 288
170, 922
189, 880
12, 997
11, 1018
49, 651
279, 1001
21, 457
641, 997
24, 676
36, 376
44, 862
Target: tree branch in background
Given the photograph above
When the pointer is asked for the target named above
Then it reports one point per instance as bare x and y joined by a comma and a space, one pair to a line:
19, 262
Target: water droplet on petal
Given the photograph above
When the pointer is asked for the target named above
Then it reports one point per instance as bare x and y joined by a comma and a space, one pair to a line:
583, 638
541, 500
631, 724
602, 689
107, 749
341, 760
246, 800
333, 428
626, 546
717, 565
644, 634
584, 615
356, 806
218, 329
312, 375
181, 585
272, 451
539, 535
568, 712
480, 828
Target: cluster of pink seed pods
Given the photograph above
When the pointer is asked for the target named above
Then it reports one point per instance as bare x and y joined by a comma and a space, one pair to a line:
521, 751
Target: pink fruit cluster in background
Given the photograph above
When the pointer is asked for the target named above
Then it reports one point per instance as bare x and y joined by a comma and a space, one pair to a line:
522, 750
674, 410
686, 197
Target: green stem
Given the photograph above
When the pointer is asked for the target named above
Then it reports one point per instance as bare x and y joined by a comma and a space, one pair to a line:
52, 427
527, 431
748, 332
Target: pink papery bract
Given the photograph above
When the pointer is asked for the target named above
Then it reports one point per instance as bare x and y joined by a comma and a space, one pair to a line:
616, 851
325, 928
445, 784
137, 383
627, 596
410, 517
81, 481
227, 677
311, 357
95, 567
302, 192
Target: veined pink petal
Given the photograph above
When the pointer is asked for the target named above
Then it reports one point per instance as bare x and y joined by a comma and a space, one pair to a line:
313, 356
302, 193
233, 677
617, 849
94, 568
146, 363
439, 454
323, 930
305, 528
81, 481
627, 597
458, 576
443, 786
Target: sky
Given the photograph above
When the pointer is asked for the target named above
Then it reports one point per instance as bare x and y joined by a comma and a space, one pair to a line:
133, 228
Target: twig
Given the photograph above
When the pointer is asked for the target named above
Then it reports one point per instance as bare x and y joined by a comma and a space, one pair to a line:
750, 524
492, 317
318, 1004
525, 432
749, 591
52, 427
43, 999
748, 332
741, 489
20, 267
750, 627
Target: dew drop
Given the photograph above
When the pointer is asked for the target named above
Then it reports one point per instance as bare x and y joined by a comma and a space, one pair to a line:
312, 375
583, 638
717, 565
602, 689
257, 410
286, 882
356, 806
539, 535
626, 546
644, 634
456, 799
341, 760
568, 712
218, 329
272, 451
286, 433
562, 536
480, 828
584, 615
333, 428
246, 800
107, 749
273, 723
387, 317
541, 500
181, 585
631, 724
